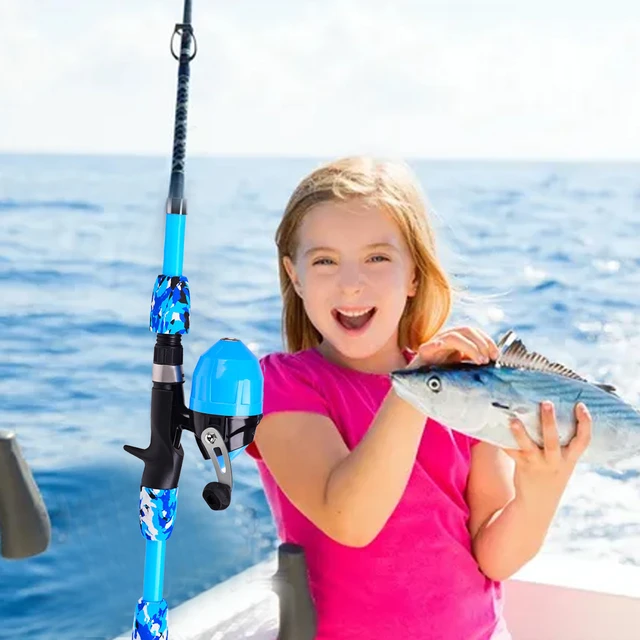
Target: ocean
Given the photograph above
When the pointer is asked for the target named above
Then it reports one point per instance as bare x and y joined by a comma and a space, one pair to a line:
549, 249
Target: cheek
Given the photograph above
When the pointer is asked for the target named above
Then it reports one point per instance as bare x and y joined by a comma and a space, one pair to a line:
396, 282
315, 284
316, 290
399, 273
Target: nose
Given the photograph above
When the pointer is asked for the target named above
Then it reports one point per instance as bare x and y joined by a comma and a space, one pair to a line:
351, 279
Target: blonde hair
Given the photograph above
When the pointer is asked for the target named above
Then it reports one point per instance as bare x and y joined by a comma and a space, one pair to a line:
393, 187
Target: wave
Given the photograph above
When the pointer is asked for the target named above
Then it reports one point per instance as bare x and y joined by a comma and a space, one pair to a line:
77, 205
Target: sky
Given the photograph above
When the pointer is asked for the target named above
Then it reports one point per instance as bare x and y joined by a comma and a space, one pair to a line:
495, 79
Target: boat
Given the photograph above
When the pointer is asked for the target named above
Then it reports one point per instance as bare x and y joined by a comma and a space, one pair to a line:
25, 527
554, 597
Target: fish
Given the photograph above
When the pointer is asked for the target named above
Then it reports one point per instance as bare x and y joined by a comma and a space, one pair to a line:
481, 400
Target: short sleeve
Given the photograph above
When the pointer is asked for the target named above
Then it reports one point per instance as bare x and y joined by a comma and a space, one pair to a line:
289, 385
472, 441
464, 441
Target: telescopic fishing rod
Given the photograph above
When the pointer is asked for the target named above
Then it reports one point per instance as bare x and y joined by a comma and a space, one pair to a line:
226, 390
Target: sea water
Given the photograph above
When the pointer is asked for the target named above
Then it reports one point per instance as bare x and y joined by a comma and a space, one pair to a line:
551, 250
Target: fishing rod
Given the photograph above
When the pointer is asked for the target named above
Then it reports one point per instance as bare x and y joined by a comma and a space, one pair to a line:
226, 389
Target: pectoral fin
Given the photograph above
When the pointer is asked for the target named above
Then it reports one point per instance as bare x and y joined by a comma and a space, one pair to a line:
515, 410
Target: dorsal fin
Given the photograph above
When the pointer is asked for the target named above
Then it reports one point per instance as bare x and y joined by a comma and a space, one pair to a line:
514, 354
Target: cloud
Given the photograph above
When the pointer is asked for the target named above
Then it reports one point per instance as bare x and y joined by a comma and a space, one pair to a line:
311, 78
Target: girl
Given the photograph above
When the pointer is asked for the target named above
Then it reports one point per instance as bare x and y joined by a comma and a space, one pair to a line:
408, 527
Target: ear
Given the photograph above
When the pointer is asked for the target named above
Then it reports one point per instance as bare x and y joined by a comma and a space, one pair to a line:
413, 286
291, 272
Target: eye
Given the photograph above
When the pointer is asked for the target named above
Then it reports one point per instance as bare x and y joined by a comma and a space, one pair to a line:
322, 261
434, 384
379, 258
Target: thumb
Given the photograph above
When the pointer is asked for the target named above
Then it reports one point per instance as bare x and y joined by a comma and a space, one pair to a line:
514, 454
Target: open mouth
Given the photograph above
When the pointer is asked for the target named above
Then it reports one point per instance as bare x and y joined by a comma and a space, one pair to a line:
354, 320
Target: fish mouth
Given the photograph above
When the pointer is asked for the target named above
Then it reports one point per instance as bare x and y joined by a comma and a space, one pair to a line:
399, 374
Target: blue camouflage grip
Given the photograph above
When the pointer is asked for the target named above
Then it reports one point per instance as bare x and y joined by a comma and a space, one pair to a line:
170, 305
150, 621
158, 513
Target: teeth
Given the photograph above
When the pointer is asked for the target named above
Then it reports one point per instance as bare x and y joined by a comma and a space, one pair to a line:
354, 314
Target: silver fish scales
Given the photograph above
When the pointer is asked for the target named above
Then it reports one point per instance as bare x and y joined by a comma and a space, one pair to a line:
481, 400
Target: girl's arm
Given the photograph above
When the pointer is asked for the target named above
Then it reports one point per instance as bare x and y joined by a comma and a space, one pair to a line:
511, 510
350, 495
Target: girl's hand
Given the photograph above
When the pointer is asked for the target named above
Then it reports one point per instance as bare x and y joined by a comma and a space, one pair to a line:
541, 474
456, 345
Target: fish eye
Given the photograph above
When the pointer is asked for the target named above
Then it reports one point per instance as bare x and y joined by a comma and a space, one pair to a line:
434, 384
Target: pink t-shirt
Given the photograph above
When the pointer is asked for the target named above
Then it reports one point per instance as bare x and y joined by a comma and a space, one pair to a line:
418, 579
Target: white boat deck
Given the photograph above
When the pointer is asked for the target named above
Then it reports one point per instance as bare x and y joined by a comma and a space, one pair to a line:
559, 598
553, 598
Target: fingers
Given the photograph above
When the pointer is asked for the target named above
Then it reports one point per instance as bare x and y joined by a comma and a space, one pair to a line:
463, 343
553, 459
467, 348
483, 341
450, 347
470, 345
526, 446
553, 451
581, 440
550, 438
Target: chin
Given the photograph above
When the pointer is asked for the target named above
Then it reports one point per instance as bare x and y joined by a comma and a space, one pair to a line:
357, 349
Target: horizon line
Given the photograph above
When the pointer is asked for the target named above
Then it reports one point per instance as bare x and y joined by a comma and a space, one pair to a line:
322, 157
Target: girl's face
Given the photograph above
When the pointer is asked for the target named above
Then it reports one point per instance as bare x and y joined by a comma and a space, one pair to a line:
354, 272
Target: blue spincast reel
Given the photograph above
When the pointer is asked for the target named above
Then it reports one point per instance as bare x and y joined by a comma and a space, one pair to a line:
226, 406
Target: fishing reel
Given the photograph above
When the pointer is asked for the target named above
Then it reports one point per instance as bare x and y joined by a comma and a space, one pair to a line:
225, 410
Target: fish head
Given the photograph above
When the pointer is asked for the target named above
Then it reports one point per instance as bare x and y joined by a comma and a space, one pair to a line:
457, 396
